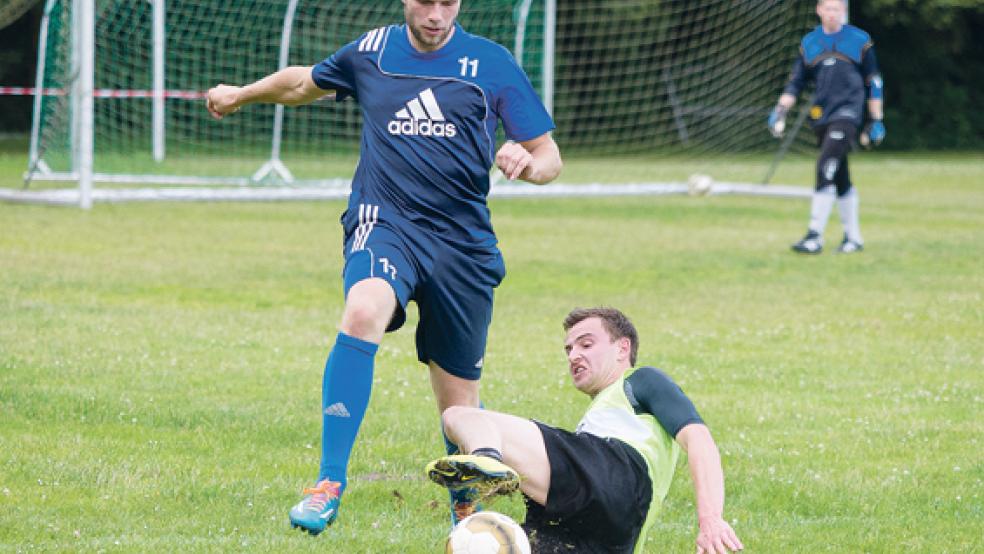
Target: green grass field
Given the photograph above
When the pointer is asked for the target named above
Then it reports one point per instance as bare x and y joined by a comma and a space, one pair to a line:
160, 364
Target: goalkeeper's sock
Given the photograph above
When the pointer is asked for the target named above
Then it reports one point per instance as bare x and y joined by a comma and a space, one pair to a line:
847, 206
820, 208
345, 394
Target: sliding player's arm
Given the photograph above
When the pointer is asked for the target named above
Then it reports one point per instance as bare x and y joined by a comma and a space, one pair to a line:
705, 469
652, 391
291, 86
536, 160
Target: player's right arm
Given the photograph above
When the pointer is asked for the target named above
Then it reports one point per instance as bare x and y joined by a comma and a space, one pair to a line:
796, 83
291, 86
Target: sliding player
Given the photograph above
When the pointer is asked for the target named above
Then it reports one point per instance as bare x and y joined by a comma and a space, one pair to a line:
417, 225
599, 488
840, 59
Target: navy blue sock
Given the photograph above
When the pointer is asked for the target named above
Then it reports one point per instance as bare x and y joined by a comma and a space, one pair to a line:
345, 394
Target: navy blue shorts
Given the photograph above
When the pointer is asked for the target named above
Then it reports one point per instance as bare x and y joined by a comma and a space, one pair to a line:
453, 288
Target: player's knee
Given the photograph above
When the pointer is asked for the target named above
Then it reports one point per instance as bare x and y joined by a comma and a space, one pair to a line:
364, 319
453, 415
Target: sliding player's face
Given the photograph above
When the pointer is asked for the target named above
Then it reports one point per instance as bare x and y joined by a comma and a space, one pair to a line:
831, 13
431, 22
593, 358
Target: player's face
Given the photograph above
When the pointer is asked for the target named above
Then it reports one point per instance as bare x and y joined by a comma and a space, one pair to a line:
593, 358
431, 22
831, 13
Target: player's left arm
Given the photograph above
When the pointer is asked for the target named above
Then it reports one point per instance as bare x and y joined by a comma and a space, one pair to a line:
536, 160
874, 131
704, 460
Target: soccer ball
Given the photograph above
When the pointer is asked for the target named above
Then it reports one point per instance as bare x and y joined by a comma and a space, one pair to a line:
699, 184
487, 533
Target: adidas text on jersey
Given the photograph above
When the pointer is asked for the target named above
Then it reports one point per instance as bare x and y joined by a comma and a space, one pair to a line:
422, 117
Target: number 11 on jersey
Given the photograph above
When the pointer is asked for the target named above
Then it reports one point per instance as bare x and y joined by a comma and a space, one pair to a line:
466, 64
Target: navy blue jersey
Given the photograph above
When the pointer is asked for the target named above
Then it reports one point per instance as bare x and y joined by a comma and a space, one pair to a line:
843, 66
429, 127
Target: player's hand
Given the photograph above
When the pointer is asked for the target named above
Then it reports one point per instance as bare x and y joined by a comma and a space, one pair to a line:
222, 100
512, 159
717, 537
777, 121
873, 134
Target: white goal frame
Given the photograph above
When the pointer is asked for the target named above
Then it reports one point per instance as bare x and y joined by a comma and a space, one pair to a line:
281, 183
82, 93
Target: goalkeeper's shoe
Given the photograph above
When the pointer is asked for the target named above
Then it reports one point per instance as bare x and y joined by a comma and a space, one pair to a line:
486, 475
318, 509
849, 246
812, 243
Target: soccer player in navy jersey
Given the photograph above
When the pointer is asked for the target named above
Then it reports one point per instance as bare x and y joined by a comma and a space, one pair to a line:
598, 489
417, 225
840, 60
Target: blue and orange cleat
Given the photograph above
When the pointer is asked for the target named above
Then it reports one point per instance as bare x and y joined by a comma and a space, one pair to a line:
318, 509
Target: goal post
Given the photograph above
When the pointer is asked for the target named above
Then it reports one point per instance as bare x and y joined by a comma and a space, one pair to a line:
152, 63
689, 79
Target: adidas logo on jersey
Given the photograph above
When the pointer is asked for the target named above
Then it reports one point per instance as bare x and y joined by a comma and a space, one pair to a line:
422, 117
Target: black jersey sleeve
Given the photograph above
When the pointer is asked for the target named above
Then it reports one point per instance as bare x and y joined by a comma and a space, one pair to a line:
798, 77
651, 391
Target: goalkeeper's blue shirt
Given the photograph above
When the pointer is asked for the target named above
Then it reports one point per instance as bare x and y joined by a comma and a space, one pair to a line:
429, 127
844, 69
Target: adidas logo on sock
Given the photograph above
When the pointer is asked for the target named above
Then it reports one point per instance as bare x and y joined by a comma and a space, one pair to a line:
338, 410
422, 117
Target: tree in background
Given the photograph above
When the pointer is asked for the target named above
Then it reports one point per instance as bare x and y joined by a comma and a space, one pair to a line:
19, 25
932, 63
932, 58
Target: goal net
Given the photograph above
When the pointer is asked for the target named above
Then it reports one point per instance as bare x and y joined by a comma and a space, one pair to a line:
645, 77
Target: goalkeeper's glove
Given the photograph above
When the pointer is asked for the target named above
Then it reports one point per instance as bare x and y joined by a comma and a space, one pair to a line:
777, 120
873, 134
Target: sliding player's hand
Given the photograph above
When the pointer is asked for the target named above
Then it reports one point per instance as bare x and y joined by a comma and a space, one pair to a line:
222, 100
512, 159
717, 537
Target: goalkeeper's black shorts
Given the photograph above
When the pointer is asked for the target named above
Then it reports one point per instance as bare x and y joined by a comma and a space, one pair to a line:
599, 495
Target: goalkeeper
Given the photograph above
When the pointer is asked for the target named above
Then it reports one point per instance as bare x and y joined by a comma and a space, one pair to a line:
597, 489
840, 60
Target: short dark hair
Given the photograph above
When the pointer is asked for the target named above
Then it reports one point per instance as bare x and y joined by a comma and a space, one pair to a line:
614, 321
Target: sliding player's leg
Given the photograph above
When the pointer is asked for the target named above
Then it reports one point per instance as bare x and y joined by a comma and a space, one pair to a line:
496, 449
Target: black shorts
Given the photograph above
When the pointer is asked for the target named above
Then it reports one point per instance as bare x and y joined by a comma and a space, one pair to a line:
598, 499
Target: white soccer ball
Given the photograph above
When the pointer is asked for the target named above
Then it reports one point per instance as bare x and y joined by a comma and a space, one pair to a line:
699, 184
488, 533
